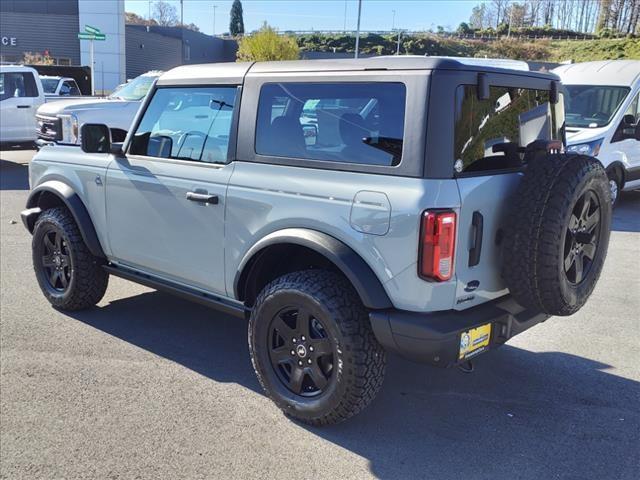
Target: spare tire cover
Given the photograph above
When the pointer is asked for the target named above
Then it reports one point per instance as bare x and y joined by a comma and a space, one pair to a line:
556, 235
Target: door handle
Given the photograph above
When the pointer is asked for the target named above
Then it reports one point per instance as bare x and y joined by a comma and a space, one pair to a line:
202, 198
23, 106
475, 251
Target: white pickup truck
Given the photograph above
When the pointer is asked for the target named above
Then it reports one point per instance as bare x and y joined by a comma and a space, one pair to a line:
60, 121
21, 94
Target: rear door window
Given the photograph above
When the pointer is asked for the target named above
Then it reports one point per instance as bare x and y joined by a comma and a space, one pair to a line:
360, 123
191, 123
492, 134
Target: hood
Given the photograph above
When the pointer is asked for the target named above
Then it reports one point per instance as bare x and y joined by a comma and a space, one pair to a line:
577, 135
75, 105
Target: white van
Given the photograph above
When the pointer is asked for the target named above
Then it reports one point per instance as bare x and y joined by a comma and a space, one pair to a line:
20, 96
602, 109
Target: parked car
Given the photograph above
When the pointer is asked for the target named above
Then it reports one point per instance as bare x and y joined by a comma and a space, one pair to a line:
59, 86
60, 121
21, 94
602, 104
421, 219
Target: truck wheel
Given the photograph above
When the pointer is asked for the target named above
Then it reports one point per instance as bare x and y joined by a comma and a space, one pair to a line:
615, 184
70, 277
557, 233
313, 349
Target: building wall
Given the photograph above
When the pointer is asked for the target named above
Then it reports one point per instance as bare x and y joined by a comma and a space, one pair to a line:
150, 51
39, 26
109, 55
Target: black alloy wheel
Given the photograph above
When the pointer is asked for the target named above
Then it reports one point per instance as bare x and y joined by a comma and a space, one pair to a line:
581, 237
56, 260
300, 351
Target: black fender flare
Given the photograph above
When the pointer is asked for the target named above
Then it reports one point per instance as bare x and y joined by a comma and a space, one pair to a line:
73, 203
617, 164
357, 271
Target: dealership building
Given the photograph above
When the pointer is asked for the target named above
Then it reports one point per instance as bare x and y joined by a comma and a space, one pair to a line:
51, 27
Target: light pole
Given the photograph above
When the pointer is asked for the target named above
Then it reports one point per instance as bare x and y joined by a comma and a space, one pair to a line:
393, 21
181, 13
214, 19
358, 28
398, 49
344, 27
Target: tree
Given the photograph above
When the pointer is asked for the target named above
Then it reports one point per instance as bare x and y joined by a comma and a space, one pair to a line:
267, 45
131, 18
478, 19
236, 23
165, 14
464, 29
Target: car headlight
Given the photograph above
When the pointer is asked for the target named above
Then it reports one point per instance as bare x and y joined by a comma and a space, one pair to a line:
70, 128
589, 148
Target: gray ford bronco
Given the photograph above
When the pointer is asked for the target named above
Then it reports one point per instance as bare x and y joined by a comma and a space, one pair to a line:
347, 208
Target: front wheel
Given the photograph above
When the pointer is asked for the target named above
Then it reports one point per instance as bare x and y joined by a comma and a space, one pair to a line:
70, 277
313, 349
615, 185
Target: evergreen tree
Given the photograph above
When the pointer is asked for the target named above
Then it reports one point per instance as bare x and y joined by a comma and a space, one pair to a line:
236, 23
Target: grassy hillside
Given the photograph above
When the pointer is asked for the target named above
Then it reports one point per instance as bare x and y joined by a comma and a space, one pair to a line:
543, 50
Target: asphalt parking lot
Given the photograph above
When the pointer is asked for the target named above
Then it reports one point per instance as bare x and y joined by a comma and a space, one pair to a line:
150, 386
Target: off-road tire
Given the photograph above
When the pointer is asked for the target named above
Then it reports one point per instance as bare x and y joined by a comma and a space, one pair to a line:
359, 358
88, 280
535, 232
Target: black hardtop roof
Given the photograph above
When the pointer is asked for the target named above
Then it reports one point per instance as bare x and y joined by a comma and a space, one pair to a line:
233, 72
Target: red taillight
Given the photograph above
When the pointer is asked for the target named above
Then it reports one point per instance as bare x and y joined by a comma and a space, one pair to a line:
437, 244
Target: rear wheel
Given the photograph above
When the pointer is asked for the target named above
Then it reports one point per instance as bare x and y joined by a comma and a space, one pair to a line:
70, 277
313, 349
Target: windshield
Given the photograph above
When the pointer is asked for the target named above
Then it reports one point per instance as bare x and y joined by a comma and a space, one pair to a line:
592, 105
135, 90
49, 85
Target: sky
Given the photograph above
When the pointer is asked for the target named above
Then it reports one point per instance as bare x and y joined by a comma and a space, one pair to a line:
321, 14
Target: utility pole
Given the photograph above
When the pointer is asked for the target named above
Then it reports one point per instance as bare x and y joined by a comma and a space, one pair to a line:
399, 34
393, 21
181, 13
358, 28
214, 19
344, 27
510, 21
93, 70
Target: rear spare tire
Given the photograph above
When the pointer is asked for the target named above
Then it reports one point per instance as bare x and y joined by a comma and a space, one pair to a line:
557, 233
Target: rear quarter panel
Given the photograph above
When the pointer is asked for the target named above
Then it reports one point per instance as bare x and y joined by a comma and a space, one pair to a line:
263, 199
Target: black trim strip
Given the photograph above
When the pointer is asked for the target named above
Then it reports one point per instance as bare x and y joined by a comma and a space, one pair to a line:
202, 298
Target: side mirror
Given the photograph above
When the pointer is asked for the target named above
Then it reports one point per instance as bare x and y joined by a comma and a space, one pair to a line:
553, 93
96, 138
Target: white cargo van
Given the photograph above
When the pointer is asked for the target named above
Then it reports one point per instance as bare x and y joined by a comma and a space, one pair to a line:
602, 111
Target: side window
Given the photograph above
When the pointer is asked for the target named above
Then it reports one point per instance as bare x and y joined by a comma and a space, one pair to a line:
70, 88
492, 134
360, 123
187, 123
18, 84
630, 122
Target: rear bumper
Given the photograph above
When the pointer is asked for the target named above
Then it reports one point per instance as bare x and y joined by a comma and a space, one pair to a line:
434, 337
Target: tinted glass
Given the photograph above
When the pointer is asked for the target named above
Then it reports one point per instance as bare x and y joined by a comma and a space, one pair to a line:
361, 123
187, 124
592, 105
17, 84
492, 134
49, 85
